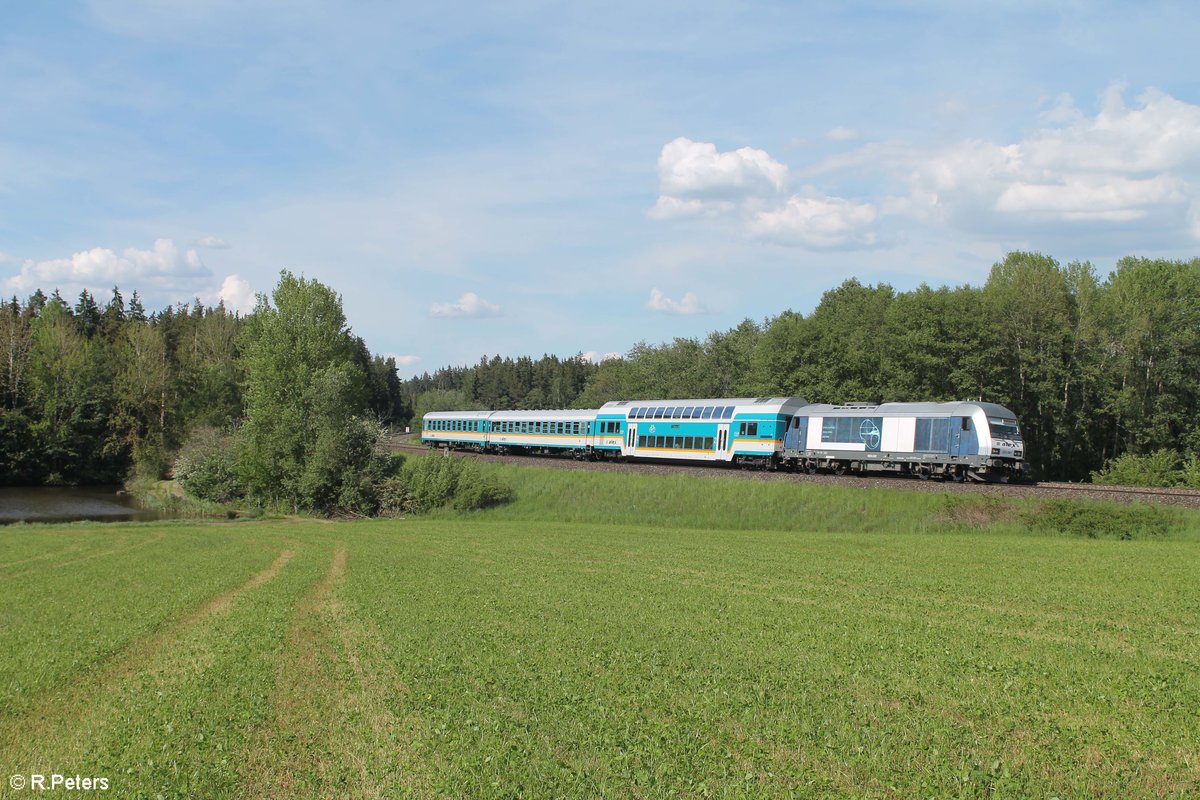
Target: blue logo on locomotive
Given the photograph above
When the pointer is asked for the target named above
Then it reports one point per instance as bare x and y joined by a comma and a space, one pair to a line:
868, 431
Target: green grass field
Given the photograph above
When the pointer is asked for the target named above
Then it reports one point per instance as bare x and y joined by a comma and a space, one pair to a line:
889, 648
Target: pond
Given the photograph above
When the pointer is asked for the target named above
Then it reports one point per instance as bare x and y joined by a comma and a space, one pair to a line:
68, 504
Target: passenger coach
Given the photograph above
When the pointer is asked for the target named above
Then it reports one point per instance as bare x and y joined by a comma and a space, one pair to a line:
746, 430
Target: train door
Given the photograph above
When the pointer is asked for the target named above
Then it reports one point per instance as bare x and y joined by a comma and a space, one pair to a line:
627, 447
797, 434
963, 441
723, 441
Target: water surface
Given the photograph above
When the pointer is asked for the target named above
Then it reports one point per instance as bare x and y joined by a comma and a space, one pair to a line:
68, 504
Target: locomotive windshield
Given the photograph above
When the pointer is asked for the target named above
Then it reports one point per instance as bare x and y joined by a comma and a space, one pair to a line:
1004, 429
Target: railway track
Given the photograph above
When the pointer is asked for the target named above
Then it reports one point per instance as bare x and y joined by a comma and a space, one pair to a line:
1185, 498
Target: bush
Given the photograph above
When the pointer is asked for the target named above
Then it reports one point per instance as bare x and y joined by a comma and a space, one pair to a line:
1160, 469
1103, 520
428, 483
346, 470
206, 466
476, 491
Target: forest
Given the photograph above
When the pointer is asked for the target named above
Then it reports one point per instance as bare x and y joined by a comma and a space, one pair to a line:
92, 394
1095, 367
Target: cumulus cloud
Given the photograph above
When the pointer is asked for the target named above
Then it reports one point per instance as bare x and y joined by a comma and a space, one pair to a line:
101, 267
1132, 166
212, 242
237, 295
468, 305
595, 357
693, 175
1125, 164
696, 180
688, 304
817, 222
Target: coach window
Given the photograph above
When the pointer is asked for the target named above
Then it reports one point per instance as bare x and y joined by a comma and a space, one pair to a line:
741, 429
727, 412
657, 413
707, 413
708, 443
752, 429
687, 412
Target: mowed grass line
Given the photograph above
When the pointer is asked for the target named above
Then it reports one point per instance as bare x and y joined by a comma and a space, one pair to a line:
172, 716
67, 615
334, 732
60, 711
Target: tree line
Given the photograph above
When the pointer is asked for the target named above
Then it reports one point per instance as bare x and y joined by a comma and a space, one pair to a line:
1095, 367
91, 393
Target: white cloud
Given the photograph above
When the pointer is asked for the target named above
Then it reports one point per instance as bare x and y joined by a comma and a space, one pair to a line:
237, 294
211, 242
595, 357
688, 304
1125, 165
840, 134
698, 181
690, 170
469, 305
101, 268
818, 222
403, 360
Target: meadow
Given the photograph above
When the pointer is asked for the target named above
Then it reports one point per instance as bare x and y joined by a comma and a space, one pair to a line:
611, 636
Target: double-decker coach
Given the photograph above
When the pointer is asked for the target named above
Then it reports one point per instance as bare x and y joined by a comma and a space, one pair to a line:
746, 430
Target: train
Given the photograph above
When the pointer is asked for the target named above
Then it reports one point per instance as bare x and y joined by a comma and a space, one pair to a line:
956, 441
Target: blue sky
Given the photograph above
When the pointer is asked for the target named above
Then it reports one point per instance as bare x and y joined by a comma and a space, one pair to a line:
532, 177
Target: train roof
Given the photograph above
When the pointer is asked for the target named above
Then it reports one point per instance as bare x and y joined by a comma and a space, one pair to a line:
765, 405
951, 408
557, 414
481, 414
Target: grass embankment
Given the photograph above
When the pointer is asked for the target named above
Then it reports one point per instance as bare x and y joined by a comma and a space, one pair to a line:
490, 657
716, 502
